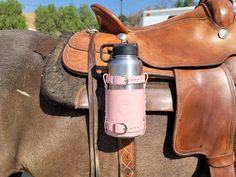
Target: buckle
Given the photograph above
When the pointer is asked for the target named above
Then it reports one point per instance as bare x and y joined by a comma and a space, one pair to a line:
120, 126
126, 80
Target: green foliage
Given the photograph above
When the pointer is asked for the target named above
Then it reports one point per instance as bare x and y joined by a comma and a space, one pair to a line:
54, 20
87, 17
188, 3
11, 15
179, 3
68, 19
185, 3
45, 19
123, 18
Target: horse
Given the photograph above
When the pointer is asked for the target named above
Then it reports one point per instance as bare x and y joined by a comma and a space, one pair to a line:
44, 119
46, 139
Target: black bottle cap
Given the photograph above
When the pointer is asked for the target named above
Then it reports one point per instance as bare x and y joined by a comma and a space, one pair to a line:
125, 49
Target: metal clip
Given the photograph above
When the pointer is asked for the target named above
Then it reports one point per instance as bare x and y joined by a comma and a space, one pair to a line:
105, 80
146, 79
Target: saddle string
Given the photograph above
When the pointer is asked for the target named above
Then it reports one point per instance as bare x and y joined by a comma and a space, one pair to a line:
93, 107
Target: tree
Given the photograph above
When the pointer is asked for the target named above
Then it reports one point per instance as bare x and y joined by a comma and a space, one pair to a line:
179, 3
69, 19
55, 21
134, 19
123, 18
185, 3
45, 20
188, 3
11, 15
87, 17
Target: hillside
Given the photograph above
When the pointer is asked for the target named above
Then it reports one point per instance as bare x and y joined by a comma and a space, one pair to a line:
30, 18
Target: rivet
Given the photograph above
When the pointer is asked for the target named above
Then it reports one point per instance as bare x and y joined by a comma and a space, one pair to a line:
223, 34
122, 37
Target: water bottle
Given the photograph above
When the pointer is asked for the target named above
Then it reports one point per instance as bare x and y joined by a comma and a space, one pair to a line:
125, 102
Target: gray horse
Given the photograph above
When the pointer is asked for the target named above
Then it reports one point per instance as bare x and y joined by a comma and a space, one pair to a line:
46, 139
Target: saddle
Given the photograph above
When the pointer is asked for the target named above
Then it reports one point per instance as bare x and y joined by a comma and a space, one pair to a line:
192, 50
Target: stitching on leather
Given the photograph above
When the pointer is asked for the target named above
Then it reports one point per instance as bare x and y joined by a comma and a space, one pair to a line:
176, 144
165, 66
65, 55
225, 155
206, 9
231, 85
178, 113
178, 123
179, 101
183, 151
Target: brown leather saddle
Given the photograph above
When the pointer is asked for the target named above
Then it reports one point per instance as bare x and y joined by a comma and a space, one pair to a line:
191, 48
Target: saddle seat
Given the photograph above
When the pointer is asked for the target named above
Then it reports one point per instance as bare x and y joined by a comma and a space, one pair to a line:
178, 41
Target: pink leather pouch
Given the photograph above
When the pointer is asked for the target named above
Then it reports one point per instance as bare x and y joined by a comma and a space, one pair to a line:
125, 113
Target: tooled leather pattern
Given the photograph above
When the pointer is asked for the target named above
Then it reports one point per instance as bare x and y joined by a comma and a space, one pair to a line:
126, 157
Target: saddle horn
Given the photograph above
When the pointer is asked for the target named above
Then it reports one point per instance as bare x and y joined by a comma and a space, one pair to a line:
221, 12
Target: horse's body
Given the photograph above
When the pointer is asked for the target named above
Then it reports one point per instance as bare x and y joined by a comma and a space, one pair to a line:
48, 140
34, 135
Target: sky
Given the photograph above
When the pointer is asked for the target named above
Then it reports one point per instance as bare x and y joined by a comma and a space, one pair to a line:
129, 6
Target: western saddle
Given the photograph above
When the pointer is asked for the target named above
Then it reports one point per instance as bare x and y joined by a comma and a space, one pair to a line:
191, 48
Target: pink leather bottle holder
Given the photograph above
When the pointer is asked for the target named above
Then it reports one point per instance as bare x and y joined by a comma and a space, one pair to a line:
125, 109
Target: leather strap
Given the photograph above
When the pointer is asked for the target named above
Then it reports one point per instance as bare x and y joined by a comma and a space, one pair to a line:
126, 157
121, 128
93, 108
222, 161
222, 172
125, 80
